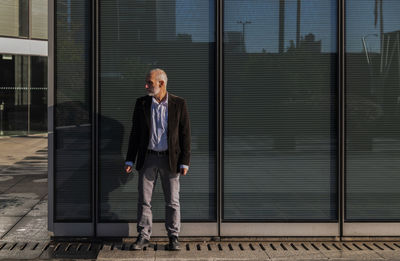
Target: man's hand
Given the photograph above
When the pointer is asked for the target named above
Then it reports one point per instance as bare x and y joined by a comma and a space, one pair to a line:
128, 169
184, 171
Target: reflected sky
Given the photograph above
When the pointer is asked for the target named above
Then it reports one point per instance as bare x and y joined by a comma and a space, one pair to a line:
318, 17
360, 23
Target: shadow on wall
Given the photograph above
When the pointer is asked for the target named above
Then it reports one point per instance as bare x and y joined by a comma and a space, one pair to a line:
73, 163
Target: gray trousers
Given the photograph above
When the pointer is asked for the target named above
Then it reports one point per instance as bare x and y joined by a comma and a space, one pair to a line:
155, 166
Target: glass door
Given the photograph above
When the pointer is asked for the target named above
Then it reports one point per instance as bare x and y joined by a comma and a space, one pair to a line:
280, 118
179, 37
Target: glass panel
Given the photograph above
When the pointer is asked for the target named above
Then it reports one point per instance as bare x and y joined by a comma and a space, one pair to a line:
280, 110
39, 19
372, 110
72, 112
38, 94
177, 36
14, 81
24, 18
9, 15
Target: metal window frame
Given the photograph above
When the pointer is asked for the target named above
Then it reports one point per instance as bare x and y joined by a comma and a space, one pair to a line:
50, 114
357, 228
58, 227
296, 226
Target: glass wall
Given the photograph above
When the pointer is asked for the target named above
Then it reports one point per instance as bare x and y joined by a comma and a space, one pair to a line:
72, 112
280, 130
23, 94
135, 36
372, 110
280, 106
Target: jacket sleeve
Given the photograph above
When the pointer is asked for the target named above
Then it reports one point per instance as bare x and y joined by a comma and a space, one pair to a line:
184, 136
133, 144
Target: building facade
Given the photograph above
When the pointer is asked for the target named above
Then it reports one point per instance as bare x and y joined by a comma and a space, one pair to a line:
294, 106
23, 66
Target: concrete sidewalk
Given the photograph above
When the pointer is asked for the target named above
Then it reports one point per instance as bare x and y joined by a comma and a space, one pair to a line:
23, 225
23, 188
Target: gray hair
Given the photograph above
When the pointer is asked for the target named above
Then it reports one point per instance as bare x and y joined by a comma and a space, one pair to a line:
160, 75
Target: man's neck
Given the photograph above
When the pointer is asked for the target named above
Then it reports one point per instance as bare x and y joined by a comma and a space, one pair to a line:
162, 97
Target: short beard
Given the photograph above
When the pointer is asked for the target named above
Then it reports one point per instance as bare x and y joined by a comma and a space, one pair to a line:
152, 94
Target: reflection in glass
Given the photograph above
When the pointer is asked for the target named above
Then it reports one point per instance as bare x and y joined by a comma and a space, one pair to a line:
177, 36
9, 15
72, 112
23, 18
38, 94
14, 83
39, 19
279, 110
23, 94
372, 110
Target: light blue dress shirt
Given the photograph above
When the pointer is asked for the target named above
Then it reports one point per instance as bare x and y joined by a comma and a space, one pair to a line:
159, 127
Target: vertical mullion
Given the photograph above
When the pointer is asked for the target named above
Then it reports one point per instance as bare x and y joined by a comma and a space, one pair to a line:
30, 18
220, 122
342, 144
94, 108
51, 69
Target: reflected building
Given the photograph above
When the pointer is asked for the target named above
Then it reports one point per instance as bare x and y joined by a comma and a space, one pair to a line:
234, 42
23, 67
309, 44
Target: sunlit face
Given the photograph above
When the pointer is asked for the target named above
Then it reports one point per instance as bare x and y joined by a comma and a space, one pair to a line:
153, 87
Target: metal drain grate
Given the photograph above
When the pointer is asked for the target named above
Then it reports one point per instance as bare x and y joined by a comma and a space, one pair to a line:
88, 250
276, 246
46, 250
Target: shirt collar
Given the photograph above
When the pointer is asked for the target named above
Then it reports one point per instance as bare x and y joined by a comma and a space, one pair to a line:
165, 102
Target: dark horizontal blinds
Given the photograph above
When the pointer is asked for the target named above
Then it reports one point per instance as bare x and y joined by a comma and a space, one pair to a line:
72, 112
135, 36
280, 110
372, 110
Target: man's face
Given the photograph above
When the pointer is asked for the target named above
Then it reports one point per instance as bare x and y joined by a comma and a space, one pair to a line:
153, 87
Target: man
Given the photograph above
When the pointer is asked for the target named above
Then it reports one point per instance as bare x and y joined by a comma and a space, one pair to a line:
160, 138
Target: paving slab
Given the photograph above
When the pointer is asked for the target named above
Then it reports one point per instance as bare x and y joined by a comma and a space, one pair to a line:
6, 223
17, 204
28, 228
8, 181
39, 210
30, 185
20, 147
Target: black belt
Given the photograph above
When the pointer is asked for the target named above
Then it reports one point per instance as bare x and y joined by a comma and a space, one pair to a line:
158, 153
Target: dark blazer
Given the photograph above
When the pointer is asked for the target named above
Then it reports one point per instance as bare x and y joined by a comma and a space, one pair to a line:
178, 132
